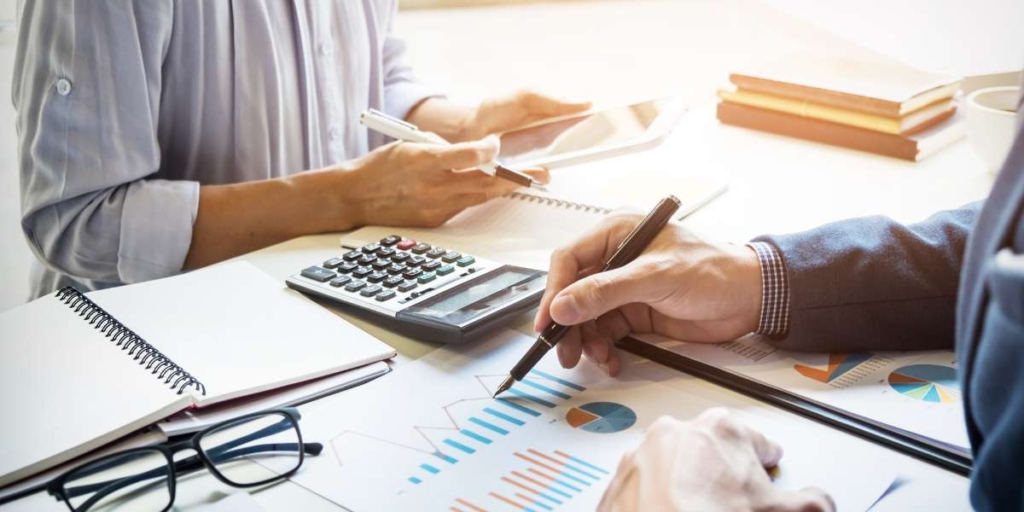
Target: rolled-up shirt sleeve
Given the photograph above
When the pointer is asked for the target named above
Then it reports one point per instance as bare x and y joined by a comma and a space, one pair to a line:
86, 89
402, 91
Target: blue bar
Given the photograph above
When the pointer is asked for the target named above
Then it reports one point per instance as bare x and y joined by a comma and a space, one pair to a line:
520, 408
473, 435
566, 485
545, 389
580, 471
587, 464
575, 478
447, 458
459, 445
563, 382
506, 417
549, 498
539, 401
540, 504
430, 468
488, 426
414, 480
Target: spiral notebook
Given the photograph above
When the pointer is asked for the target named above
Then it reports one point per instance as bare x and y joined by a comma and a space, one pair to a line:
80, 370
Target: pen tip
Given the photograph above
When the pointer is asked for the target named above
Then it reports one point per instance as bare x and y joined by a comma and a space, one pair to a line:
505, 384
537, 185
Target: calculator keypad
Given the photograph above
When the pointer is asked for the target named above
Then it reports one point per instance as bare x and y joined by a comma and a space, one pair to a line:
394, 270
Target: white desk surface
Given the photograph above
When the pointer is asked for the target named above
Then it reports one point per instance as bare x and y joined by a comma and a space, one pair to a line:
613, 51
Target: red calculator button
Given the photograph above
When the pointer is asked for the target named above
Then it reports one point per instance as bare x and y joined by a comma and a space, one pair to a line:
406, 244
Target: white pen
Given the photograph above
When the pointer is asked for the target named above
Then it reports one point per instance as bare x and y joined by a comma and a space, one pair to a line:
401, 130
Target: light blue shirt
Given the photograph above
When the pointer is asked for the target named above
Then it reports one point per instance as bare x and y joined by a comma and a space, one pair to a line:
124, 108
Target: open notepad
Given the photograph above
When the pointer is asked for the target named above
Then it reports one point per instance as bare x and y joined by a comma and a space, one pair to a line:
80, 370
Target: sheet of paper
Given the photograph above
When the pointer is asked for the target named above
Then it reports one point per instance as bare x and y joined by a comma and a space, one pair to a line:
917, 392
430, 433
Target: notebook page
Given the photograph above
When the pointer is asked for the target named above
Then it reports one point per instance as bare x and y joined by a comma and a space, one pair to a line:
240, 331
67, 389
512, 230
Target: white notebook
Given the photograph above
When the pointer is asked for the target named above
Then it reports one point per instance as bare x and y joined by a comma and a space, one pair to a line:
77, 370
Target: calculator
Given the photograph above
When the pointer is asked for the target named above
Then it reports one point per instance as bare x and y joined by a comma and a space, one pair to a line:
425, 291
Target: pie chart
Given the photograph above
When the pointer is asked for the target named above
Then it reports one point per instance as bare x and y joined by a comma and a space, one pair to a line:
927, 383
601, 417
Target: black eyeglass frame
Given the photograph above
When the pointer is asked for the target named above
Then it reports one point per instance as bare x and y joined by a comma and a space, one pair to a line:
58, 490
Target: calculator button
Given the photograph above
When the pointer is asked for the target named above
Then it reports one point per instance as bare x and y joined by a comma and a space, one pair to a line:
406, 286
376, 277
405, 245
431, 265
333, 262
347, 267
411, 273
371, 248
318, 274
466, 261
436, 252
402, 256
381, 264
370, 291
386, 252
385, 295
445, 270
393, 281
354, 286
352, 255
421, 248
396, 268
340, 281
362, 271
451, 256
366, 259
415, 261
390, 240
427, 277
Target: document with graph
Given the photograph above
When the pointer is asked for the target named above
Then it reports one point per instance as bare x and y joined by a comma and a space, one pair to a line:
430, 433
916, 393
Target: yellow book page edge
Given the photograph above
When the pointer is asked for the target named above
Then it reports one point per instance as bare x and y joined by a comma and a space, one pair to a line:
812, 110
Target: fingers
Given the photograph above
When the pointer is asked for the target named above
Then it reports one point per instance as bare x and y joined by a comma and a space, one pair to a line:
597, 294
587, 251
548, 106
726, 426
810, 499
464, 155
569, 349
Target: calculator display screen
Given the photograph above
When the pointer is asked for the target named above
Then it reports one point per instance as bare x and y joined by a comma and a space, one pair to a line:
479, 297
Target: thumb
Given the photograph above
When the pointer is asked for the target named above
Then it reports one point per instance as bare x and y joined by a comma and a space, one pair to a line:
466, 155
597, 294
809, 499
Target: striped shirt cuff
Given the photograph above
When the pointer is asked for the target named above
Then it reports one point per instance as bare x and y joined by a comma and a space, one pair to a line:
774, 321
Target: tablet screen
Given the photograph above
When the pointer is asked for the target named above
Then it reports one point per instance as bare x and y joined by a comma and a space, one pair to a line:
586, 131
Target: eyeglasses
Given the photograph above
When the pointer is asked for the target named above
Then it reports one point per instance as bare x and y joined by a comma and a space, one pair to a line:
148, 476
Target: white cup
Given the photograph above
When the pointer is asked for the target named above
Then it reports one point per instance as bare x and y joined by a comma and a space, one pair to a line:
992, 122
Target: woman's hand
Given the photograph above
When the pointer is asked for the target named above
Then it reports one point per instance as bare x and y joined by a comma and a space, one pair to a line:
711, 463
457, 123
681, 287
408, 184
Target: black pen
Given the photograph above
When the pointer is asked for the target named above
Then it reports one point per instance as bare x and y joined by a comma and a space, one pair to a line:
631, 247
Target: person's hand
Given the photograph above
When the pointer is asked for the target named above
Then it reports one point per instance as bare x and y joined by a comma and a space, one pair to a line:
408, 184
524, 107
681, 287
711, 463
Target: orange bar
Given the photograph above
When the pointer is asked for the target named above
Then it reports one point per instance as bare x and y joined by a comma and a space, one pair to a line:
470, 505
519, 485
524, 497
532, 481
506, 500
563, 454
534, 471
453, 509
541, 464
548, 457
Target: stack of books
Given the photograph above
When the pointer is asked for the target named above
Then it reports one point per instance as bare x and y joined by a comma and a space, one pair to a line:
877, 106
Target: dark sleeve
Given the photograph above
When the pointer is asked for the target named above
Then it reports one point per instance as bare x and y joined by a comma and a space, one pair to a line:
873, 283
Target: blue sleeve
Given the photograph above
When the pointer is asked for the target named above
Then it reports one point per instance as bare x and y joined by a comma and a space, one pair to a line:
873, 283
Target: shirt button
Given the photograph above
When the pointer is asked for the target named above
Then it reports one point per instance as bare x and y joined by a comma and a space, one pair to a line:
326, 48
334, 132
63, 86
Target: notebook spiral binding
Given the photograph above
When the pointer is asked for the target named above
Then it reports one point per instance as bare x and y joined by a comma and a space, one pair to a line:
125, 338
559, 203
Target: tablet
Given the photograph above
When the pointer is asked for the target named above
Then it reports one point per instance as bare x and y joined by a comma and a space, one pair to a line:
591, 135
